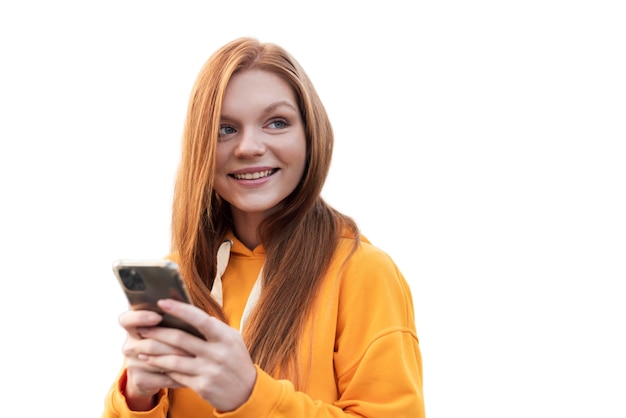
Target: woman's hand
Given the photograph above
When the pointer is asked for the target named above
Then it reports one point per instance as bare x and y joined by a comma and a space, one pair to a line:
219, 369
143, 381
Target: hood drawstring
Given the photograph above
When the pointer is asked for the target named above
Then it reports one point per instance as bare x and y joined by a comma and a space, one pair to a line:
223, 255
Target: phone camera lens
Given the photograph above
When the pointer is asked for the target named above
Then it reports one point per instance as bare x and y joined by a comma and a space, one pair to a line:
132, 279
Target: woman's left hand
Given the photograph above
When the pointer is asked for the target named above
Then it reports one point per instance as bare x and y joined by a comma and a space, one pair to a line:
219, 369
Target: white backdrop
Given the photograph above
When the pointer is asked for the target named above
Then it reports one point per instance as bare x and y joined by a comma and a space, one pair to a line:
480, 144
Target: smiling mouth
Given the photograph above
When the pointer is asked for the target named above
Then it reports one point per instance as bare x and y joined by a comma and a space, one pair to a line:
255, 175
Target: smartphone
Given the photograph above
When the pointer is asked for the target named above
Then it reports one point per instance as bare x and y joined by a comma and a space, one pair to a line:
144, 282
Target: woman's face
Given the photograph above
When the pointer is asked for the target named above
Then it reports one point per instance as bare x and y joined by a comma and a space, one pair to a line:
261, 152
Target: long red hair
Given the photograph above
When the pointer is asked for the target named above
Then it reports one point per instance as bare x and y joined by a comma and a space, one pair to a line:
299, 240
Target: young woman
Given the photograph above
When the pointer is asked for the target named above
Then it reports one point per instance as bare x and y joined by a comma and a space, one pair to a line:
302, 316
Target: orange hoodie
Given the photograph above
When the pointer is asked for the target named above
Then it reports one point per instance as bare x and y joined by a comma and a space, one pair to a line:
364, 352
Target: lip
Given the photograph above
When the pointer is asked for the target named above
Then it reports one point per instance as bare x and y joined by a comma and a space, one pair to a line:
253, 175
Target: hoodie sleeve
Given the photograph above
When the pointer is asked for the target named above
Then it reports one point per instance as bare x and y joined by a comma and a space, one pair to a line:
115, 405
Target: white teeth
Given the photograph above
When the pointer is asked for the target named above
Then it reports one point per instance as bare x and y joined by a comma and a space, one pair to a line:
253, 176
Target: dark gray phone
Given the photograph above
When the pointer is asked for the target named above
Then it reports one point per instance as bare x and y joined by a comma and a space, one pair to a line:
144, 282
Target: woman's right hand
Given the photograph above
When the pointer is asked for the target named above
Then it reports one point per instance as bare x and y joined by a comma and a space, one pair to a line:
143, 381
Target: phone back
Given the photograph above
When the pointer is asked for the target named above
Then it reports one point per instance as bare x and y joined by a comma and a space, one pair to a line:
145, 282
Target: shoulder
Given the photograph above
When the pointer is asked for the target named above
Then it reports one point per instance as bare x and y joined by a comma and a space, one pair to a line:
364, 261
371, 282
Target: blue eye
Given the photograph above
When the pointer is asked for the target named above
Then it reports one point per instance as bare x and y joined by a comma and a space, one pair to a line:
278, 124
226, 130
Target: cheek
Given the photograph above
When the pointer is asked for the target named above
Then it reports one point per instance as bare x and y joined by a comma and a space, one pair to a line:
221, 158
298, 153
304, 156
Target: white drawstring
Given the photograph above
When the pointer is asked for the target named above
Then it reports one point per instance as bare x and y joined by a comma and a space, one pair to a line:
223, 255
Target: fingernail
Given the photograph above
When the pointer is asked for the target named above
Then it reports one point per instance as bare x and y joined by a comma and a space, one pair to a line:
154, 317
165, 304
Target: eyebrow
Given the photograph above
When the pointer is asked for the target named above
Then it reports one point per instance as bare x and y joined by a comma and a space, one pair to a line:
275, 105
269, 108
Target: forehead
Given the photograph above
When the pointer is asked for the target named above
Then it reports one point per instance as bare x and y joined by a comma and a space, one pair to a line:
256, 88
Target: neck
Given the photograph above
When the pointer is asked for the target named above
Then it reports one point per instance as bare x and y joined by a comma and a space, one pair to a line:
246, 226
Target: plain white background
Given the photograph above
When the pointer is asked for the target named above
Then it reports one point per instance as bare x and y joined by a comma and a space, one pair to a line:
481, 144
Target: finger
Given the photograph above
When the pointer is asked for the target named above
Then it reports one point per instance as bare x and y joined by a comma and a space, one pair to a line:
134, 347
149, 378
172, 365
141, 365
131, 320
206, 324
162, 341
154, 347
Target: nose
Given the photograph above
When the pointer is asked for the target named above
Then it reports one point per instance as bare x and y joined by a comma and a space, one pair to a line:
250, 144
